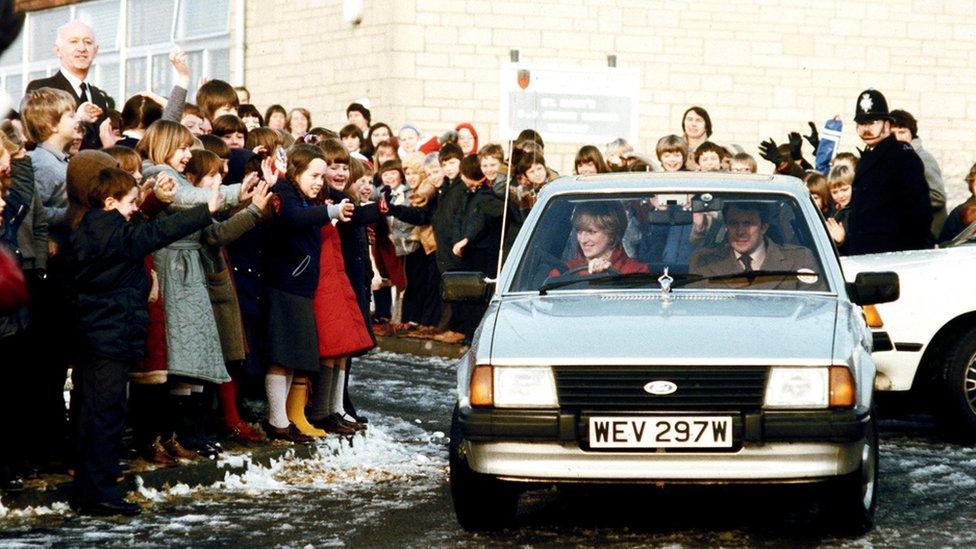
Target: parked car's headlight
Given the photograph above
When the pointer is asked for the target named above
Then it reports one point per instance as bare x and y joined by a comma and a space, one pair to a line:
514, 387
810, 388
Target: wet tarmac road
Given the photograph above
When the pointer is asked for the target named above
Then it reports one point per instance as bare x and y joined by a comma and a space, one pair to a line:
389, 488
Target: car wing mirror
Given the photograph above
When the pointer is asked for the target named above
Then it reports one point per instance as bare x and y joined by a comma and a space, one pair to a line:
463, 286
873, 288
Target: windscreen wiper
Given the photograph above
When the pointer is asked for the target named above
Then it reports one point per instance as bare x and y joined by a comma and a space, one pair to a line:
752, 275
610, 276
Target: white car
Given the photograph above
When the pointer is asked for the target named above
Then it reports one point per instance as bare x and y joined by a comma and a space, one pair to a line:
926, 340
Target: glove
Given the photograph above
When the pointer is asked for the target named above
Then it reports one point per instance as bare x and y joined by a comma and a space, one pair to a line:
767, 150
814, 137
796, 145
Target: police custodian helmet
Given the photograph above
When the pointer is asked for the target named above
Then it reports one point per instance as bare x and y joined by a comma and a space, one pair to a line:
871, 106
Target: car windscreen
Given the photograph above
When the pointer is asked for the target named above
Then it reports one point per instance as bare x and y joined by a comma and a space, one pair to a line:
707, 240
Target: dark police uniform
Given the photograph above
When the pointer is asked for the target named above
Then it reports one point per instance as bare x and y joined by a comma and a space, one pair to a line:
890, 209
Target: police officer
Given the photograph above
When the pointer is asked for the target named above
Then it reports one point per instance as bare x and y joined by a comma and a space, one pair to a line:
890, 201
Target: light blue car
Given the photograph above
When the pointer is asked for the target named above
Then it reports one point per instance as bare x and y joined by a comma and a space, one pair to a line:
668, 328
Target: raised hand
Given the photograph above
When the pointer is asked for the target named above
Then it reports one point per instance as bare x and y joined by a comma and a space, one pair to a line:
177, 58
261, 195
346, 210
248, 186
814, 137
767, 150
268, 171
165, 188
459, 247
145, 188
88, 112
598, 265
836, 230
796, 145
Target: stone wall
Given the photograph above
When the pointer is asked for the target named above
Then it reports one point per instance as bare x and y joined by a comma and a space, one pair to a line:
760, 69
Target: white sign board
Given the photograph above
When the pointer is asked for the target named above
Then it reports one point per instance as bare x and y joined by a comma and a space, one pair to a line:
585, 105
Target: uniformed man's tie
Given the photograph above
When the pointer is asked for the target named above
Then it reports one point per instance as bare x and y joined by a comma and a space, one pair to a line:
84, 93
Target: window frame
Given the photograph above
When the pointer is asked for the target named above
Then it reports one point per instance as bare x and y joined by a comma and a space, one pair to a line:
207, 44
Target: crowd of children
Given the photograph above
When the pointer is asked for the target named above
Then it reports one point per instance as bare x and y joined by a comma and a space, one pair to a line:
210, 255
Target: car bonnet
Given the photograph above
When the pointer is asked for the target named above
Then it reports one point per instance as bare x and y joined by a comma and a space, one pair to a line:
642, 328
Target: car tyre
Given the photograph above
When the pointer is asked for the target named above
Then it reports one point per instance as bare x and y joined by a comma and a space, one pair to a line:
959, 386
853, 498
481, 502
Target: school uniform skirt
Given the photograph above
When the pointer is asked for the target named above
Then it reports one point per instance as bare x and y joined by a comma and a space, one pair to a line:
291, 341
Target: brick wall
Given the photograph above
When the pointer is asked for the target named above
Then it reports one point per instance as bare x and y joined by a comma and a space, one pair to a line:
759, 69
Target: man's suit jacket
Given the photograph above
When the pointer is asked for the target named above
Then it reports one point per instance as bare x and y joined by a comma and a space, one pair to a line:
720, 260
96, 96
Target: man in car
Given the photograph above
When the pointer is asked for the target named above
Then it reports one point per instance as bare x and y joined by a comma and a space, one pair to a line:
747, 254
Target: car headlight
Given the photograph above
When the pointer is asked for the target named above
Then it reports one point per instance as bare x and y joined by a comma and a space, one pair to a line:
810, 388
797, 388
524, 387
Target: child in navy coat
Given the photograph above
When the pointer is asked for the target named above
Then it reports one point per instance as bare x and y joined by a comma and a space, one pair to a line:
111, 291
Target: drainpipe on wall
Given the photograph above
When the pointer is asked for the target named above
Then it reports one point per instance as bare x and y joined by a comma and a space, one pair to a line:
237, 70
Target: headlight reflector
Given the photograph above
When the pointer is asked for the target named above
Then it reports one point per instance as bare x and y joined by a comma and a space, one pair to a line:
525, 387
797, 388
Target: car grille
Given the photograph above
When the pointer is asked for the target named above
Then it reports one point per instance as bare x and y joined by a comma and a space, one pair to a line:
698, 388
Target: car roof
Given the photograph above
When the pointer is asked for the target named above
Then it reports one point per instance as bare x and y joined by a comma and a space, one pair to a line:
677, 181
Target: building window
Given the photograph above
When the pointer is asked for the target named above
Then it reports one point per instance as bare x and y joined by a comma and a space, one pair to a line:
134, 37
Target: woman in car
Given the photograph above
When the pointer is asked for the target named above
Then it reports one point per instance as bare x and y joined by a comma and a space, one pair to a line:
599, 230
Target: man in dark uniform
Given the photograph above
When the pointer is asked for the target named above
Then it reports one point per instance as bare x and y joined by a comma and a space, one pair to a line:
76, 49
890, 201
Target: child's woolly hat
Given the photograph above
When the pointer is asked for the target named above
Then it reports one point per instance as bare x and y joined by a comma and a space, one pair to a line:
409, 127
362, 107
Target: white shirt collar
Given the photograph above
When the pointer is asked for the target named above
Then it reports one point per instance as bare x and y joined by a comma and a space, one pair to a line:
75, 82
758, 256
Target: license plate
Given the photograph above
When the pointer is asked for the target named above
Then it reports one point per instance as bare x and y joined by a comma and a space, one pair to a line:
661, 432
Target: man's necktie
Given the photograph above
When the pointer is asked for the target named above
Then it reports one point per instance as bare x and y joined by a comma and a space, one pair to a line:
746, 262
84, 93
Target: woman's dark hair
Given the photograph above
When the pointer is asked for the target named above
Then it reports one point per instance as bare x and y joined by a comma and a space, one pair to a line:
318, 133
227, 124
366, 144
263, 137
299, 157
250, 110
591, 154
702, 113
215, 145
273, 109
333, 152
526, 161
609, 217
530, 135
470, 168
214, 95
129, 160
351, 130
202, 163
139, 112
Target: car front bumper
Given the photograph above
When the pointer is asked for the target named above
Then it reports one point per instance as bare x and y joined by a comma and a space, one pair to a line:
544, 446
